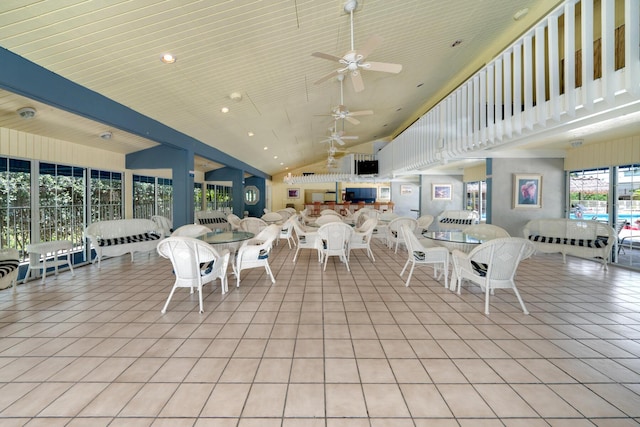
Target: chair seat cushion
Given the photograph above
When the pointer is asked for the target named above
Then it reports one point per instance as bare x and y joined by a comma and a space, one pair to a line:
480, 268
144, 237
419, 255
7, 266
599, 242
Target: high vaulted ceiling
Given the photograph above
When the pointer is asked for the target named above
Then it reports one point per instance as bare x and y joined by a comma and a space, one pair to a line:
260, 50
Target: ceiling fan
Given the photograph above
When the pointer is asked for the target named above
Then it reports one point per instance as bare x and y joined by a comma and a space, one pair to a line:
337, 136
342, 112
354, 60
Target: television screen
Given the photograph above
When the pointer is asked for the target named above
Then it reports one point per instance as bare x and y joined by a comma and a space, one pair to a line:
367, 167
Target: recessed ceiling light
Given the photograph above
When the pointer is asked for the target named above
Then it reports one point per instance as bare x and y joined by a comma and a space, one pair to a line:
167, 58
275, 157
281, 163
265, 148
106, 135
250, 133
225, 109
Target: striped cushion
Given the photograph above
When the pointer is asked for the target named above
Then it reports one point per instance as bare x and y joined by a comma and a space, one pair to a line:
204, 221
145, 237
7, 266
599, 242
466, 221
480, 268
419, 255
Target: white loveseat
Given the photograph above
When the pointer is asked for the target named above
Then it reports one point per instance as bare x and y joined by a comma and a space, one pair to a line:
581, 238
120, 236
456, 219
215, 220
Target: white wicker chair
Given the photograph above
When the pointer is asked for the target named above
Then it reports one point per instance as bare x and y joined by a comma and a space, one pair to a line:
234, 221
286, 232
192, 265
305, 239
394, 236
492, 265
191, 230
361, 238
252, 225
164, 223
424, 222
334, 241
486, 231
255, 252
418, 254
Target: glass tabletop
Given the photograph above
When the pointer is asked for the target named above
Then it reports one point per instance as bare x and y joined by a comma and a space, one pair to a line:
452, 237
225, 236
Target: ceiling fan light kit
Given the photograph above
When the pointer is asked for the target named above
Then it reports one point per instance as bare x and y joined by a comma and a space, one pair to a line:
27, 112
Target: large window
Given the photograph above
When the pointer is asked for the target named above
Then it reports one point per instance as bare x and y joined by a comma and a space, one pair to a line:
610, 195
15, 204
152, 196
106, 195
197, 196
219, 197
589, 194
62, 202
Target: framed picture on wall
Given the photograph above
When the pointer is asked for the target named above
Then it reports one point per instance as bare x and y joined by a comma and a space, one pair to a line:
293, 193
441, 191
527, 191
406, 189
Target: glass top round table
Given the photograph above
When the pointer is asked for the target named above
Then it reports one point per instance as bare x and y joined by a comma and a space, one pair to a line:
453, 239
221, 237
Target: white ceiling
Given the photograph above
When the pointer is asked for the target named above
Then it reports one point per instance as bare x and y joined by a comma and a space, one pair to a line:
260, 49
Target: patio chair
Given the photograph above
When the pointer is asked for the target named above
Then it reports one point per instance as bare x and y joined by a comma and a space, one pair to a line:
418, 254
394, 236
486, 231
326, 219
492, 265
305, 239
164, 223
286, 232
195, 263
255, 252
252, 225
234, 221
424, 222
334, 241
191, 230
361, 238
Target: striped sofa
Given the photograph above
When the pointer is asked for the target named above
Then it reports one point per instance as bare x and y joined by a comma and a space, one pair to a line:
121, 236
581, 238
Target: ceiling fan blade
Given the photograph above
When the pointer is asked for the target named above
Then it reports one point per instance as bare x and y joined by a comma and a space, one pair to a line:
340, 141
385, 67
361, 113
358, 83
350, 137
370, 46
327, 77
326, 56
352, 120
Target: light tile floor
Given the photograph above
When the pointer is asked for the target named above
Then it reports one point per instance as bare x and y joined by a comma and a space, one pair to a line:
330, 349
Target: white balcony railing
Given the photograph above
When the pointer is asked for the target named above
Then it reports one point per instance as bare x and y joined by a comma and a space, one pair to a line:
531, 87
